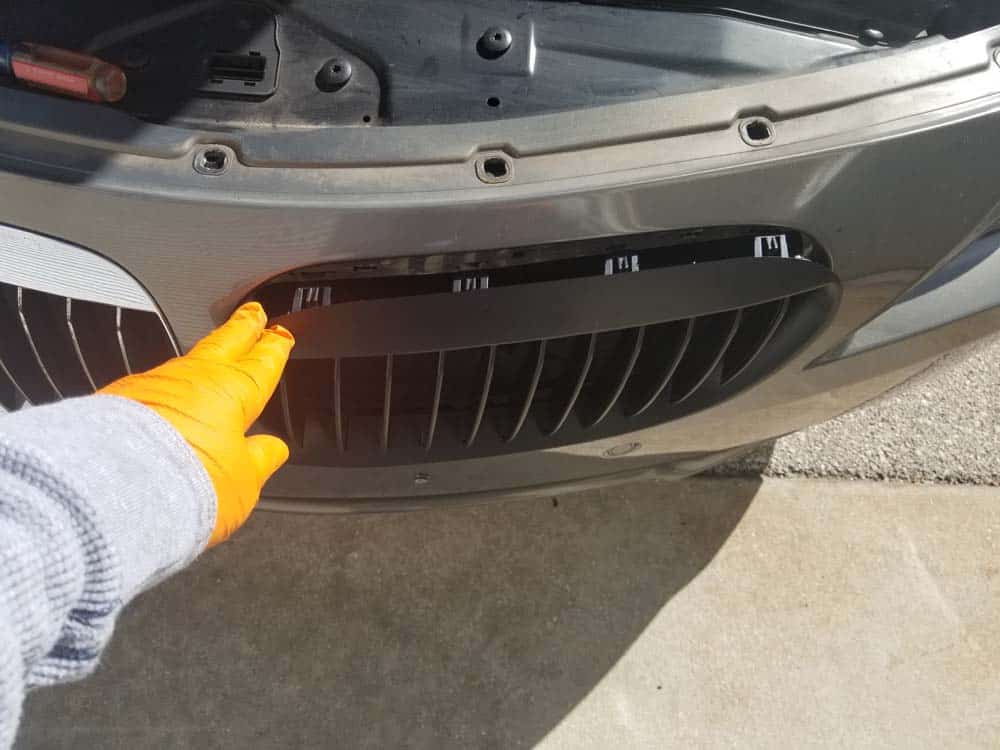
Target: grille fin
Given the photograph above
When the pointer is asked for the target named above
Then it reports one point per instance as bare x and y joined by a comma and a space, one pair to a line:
491, 359
338, 408
121, 340
667, 347
699, 363
11, 395
386, 405
286, 410
529, 397
31, 343
616, 391
436, 402
574, 394
76, 344
757, 328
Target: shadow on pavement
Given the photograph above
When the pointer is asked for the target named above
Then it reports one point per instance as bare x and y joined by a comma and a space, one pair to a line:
468, 627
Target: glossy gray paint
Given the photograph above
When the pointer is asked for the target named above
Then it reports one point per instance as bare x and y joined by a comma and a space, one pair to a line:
890, 164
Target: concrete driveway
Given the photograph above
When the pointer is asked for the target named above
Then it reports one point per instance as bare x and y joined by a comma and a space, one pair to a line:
706, 613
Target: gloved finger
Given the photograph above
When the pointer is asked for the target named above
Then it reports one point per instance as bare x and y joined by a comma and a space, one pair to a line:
268, 453
235, 337
264, 364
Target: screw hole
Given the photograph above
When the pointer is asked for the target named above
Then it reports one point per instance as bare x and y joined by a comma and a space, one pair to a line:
211, 161
366, 118
757, 131
493, 101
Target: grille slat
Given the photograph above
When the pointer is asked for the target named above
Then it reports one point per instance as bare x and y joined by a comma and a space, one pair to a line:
94, 325
121, 340
338, 407
436, 401
529, 397
491, 359
76, 344
31, 343
616, 391
18, 358
663, 370
584, 370
145, 340
386, 405
760, 324
11, 395
286, 411
700, 363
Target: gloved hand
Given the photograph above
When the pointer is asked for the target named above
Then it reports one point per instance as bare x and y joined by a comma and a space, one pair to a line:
211, 396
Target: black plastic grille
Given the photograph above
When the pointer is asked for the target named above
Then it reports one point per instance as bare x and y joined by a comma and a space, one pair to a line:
54, 347
382, 397
525, 395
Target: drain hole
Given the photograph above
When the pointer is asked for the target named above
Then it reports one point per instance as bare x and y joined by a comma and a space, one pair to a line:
211, 161
757, 131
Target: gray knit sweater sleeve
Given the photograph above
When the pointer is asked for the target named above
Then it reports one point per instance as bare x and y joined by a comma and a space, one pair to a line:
100, 498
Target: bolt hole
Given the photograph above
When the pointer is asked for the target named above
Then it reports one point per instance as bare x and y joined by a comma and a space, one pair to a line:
493, 101
757, 131
366, 118
211, 161
495, 168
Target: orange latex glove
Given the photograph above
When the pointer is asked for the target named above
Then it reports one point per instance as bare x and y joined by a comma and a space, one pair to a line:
211, 396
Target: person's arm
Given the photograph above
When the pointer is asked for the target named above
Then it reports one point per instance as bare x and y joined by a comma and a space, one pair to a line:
103, 496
